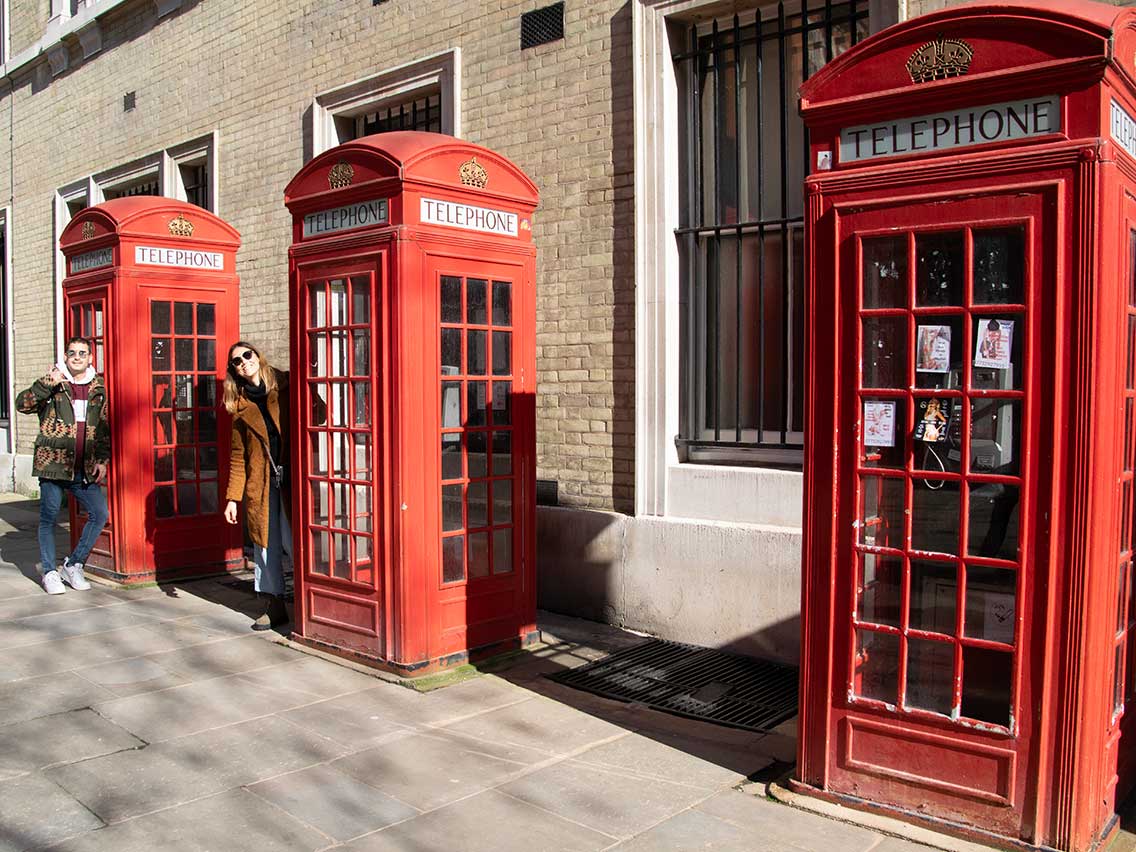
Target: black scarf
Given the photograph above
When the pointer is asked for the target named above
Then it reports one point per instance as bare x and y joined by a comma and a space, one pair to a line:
259, 395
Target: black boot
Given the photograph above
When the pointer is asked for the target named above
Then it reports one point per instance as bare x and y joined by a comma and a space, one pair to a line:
271, 612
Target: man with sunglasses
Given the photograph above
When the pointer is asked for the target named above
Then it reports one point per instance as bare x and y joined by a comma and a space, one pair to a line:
72, 453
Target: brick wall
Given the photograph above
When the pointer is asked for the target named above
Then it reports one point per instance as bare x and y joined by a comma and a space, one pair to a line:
28, 18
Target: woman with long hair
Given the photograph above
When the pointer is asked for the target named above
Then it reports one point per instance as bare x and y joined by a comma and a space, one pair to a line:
256, 395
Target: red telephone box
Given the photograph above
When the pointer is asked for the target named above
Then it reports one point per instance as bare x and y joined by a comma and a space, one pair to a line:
152, 282
414, 364
968, 601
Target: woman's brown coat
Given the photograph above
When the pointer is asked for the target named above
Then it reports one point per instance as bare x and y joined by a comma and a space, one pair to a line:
248, 458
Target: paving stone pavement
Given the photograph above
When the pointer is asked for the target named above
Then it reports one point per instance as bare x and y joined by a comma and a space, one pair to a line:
153, 719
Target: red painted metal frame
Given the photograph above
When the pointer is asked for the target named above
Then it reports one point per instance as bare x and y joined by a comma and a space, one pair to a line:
1051, 777
139, 546
408, 620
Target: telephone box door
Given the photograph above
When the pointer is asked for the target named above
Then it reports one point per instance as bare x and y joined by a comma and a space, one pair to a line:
941, 551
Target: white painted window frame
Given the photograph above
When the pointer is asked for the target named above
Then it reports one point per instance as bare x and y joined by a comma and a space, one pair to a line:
402, 83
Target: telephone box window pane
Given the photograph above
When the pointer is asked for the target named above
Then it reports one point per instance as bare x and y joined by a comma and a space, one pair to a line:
206, 320
990, 603
502, 453
451, 405
363, 508
1118, 680
163, 428
1128, 459
207, 426
502, 501
207, 355
1126, 516
885, 422
362, 554
451, 351
159, 317
321, 552
993, 520
340, 455
163, 466
319, 457
477, 506
477, 444
939, 457
338, 404
451, 508
502, 303
163, 398
451, 456
362, 403
183, 318
475, 301
451, 299
207, 459
479, 554
160, 355
1130, 382
320, 502
342, 565
987, 685
934, 586
989, 334
362, 442
881, 581
183, 354
187, 499
881, 513
338, 289
317, 305
502, 551
477, 410
930, 675
360, 300
164, 501
885, 353
875, 672
885, 272
453, 564
339, 354
100, 357
184, 392
999, 262
995, 435
502, 403
317, 355
939, 269
502, 353
208, 498
935, 516
476, 355
183, 420
206, 391
186, 463
1122, 598
361, 340
940, 348
340, 501
98, 321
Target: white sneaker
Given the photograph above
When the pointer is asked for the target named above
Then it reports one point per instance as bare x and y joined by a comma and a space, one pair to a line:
53, 583
73, 575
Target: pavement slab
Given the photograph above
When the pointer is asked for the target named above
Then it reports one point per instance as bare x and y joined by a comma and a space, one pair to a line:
35, 812
130, 677
649, 759
38, 602
358, 720
787, 828
31, 698
694, 829
79, 652
310, 678
227, 656
60, 625
62, 738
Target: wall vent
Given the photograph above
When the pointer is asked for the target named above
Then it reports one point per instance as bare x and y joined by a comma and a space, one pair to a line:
128, 101
541, 26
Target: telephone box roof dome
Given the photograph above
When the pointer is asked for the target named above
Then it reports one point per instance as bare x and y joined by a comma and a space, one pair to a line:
148, 216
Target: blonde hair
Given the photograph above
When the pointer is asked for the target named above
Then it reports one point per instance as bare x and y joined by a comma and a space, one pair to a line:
232, 388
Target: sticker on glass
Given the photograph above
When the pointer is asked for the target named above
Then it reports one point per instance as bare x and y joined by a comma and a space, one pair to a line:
500, 396
933, 353
934, 418
992, 346
879, 424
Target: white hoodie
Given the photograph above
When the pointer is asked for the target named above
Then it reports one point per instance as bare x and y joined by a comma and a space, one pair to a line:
79, 406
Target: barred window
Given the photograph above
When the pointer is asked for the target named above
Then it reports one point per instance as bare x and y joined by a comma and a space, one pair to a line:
741, 228
420, 113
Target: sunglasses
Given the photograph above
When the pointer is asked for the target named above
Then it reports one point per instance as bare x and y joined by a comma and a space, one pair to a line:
78, 353
247, 355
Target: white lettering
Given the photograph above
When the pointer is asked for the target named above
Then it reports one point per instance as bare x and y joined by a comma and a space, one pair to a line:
468, 217
186, 258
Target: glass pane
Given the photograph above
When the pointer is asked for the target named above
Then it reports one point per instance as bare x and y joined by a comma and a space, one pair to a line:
999, 261
338, 302
186, 463
360, 300
502, 403
183, 318
995, 433
183, 420
160, 355
319, 458
885, 353
184, 397
990, 607
451, 455
933, 596
993, 520
363, 508
340, 505
453, 551
881, 580
337, 404
930, 675
502, 453
451, 299
159, 317
362, 445
502, 353
477, 404
321, 552
476, 444
163, 428
475, 301
876, 666
98, 331
502, 303
207, 426
163, 466
317, 407
208, 496
362, 550
1128, 435
320, 502
935, 516
451, 351
451, 405
207, 461
187, 499
477, 505
164, 501
362, 403
881, 515
183, 354
479, 554
451, 508
1122, 598
317, 305
940, 347
317, 354
502, 501
340, 454
502, 551
339, 353
987, 685
885, 272
997, 352
206, 391
475, 342
206, 320
361, 345
939, 269
163, 398
207, 355
341, 542
884, 431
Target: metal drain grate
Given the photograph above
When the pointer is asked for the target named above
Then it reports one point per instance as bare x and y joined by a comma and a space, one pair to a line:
702, 683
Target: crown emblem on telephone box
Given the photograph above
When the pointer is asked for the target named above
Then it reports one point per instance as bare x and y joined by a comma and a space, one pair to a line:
88, 230
472, 173
341, 175
939, 59
181, 227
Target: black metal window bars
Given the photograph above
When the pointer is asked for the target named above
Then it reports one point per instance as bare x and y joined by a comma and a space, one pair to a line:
744, 153
421, 113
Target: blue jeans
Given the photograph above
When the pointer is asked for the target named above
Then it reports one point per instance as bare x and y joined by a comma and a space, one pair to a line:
268, 574
90, 496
